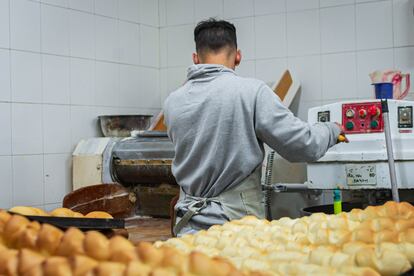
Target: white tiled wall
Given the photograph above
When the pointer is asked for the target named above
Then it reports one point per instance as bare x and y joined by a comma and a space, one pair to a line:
63, 63
330, 45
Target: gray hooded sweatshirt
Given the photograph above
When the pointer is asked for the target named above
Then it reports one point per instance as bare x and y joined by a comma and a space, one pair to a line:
218, 122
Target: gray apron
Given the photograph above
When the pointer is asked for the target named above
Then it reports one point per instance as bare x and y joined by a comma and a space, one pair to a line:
244, 199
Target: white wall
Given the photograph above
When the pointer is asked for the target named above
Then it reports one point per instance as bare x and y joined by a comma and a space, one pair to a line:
63, 63
330, 45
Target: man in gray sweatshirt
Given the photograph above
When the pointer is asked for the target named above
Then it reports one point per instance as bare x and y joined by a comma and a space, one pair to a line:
218, 123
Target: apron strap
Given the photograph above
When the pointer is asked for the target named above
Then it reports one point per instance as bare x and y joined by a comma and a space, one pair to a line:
193, 209
183, 222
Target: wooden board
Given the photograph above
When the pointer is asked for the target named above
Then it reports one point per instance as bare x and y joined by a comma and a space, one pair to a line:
283, 85
158, 123
149, 229
111, 198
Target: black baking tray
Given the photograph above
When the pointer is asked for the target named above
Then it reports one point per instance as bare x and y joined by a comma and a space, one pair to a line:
81, 223
408, 273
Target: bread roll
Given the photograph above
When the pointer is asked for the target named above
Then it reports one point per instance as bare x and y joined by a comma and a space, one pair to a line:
122, 250
364, 235
405, 211
4, 218
162, 272
96, 246
369, 213
359, 238
57, 266
406, 236
362, 242
363, 271
99, 214
28, 211
287, 256
149, 254
82, 265
8, 262
390, 262
49, 239
174, 260
199, 264
137, 269
110, 269
71, 243
403, 224
386, 236
62, 212
29, 259
14, 227
29, 236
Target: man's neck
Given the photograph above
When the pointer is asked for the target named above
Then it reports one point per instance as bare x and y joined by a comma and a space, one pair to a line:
221, 59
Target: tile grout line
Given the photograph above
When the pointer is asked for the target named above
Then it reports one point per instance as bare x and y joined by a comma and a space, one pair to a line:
41, 106
356, 48
322, 93
393, 34
11, 197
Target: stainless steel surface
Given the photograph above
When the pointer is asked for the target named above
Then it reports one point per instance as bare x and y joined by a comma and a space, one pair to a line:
292, 187
143, 161
123, 125
390, 152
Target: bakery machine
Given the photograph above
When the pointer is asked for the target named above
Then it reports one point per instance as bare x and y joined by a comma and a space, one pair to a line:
143, 164
140, 163
362, 167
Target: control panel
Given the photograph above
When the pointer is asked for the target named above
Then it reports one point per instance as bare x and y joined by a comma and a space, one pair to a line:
324, 116
363, 117
405, 116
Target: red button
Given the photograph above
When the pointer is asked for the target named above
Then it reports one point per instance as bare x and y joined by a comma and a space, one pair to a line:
373, 111
362, 113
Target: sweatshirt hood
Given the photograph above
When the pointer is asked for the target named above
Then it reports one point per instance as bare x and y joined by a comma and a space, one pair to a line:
205, 72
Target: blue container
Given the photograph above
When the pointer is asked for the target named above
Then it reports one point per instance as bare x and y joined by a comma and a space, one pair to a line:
383, 90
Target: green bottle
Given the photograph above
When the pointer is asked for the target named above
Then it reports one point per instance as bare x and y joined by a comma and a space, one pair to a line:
337, 201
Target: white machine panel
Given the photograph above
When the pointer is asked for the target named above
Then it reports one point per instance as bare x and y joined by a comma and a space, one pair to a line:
363, 162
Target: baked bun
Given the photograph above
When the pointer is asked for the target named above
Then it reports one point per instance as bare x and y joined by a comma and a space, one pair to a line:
96, 246
57, 266
49, 239
82, 265
71, 243
376, 240
122, 250
28, 238
14, 227
8, 262
62, 212
110, 269
29, 259
28, 211
99, 214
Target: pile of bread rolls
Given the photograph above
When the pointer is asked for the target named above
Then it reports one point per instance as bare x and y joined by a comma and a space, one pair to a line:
30, 248
58, 212
376, 240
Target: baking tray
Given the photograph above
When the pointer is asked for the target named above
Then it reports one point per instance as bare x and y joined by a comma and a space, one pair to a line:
81, 223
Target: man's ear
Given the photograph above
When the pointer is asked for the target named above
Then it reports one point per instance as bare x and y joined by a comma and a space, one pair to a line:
238, 58
196, 60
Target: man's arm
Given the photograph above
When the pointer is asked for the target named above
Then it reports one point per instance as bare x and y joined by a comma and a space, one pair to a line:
292, 138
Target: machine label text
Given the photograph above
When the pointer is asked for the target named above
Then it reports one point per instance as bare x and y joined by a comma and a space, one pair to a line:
361, 175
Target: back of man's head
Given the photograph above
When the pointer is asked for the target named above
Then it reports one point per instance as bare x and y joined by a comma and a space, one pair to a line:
213, 36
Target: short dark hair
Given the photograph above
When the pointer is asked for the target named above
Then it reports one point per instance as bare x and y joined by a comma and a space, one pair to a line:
214, 35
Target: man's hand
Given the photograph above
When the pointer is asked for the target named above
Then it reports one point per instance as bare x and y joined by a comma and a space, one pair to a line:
342, 138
